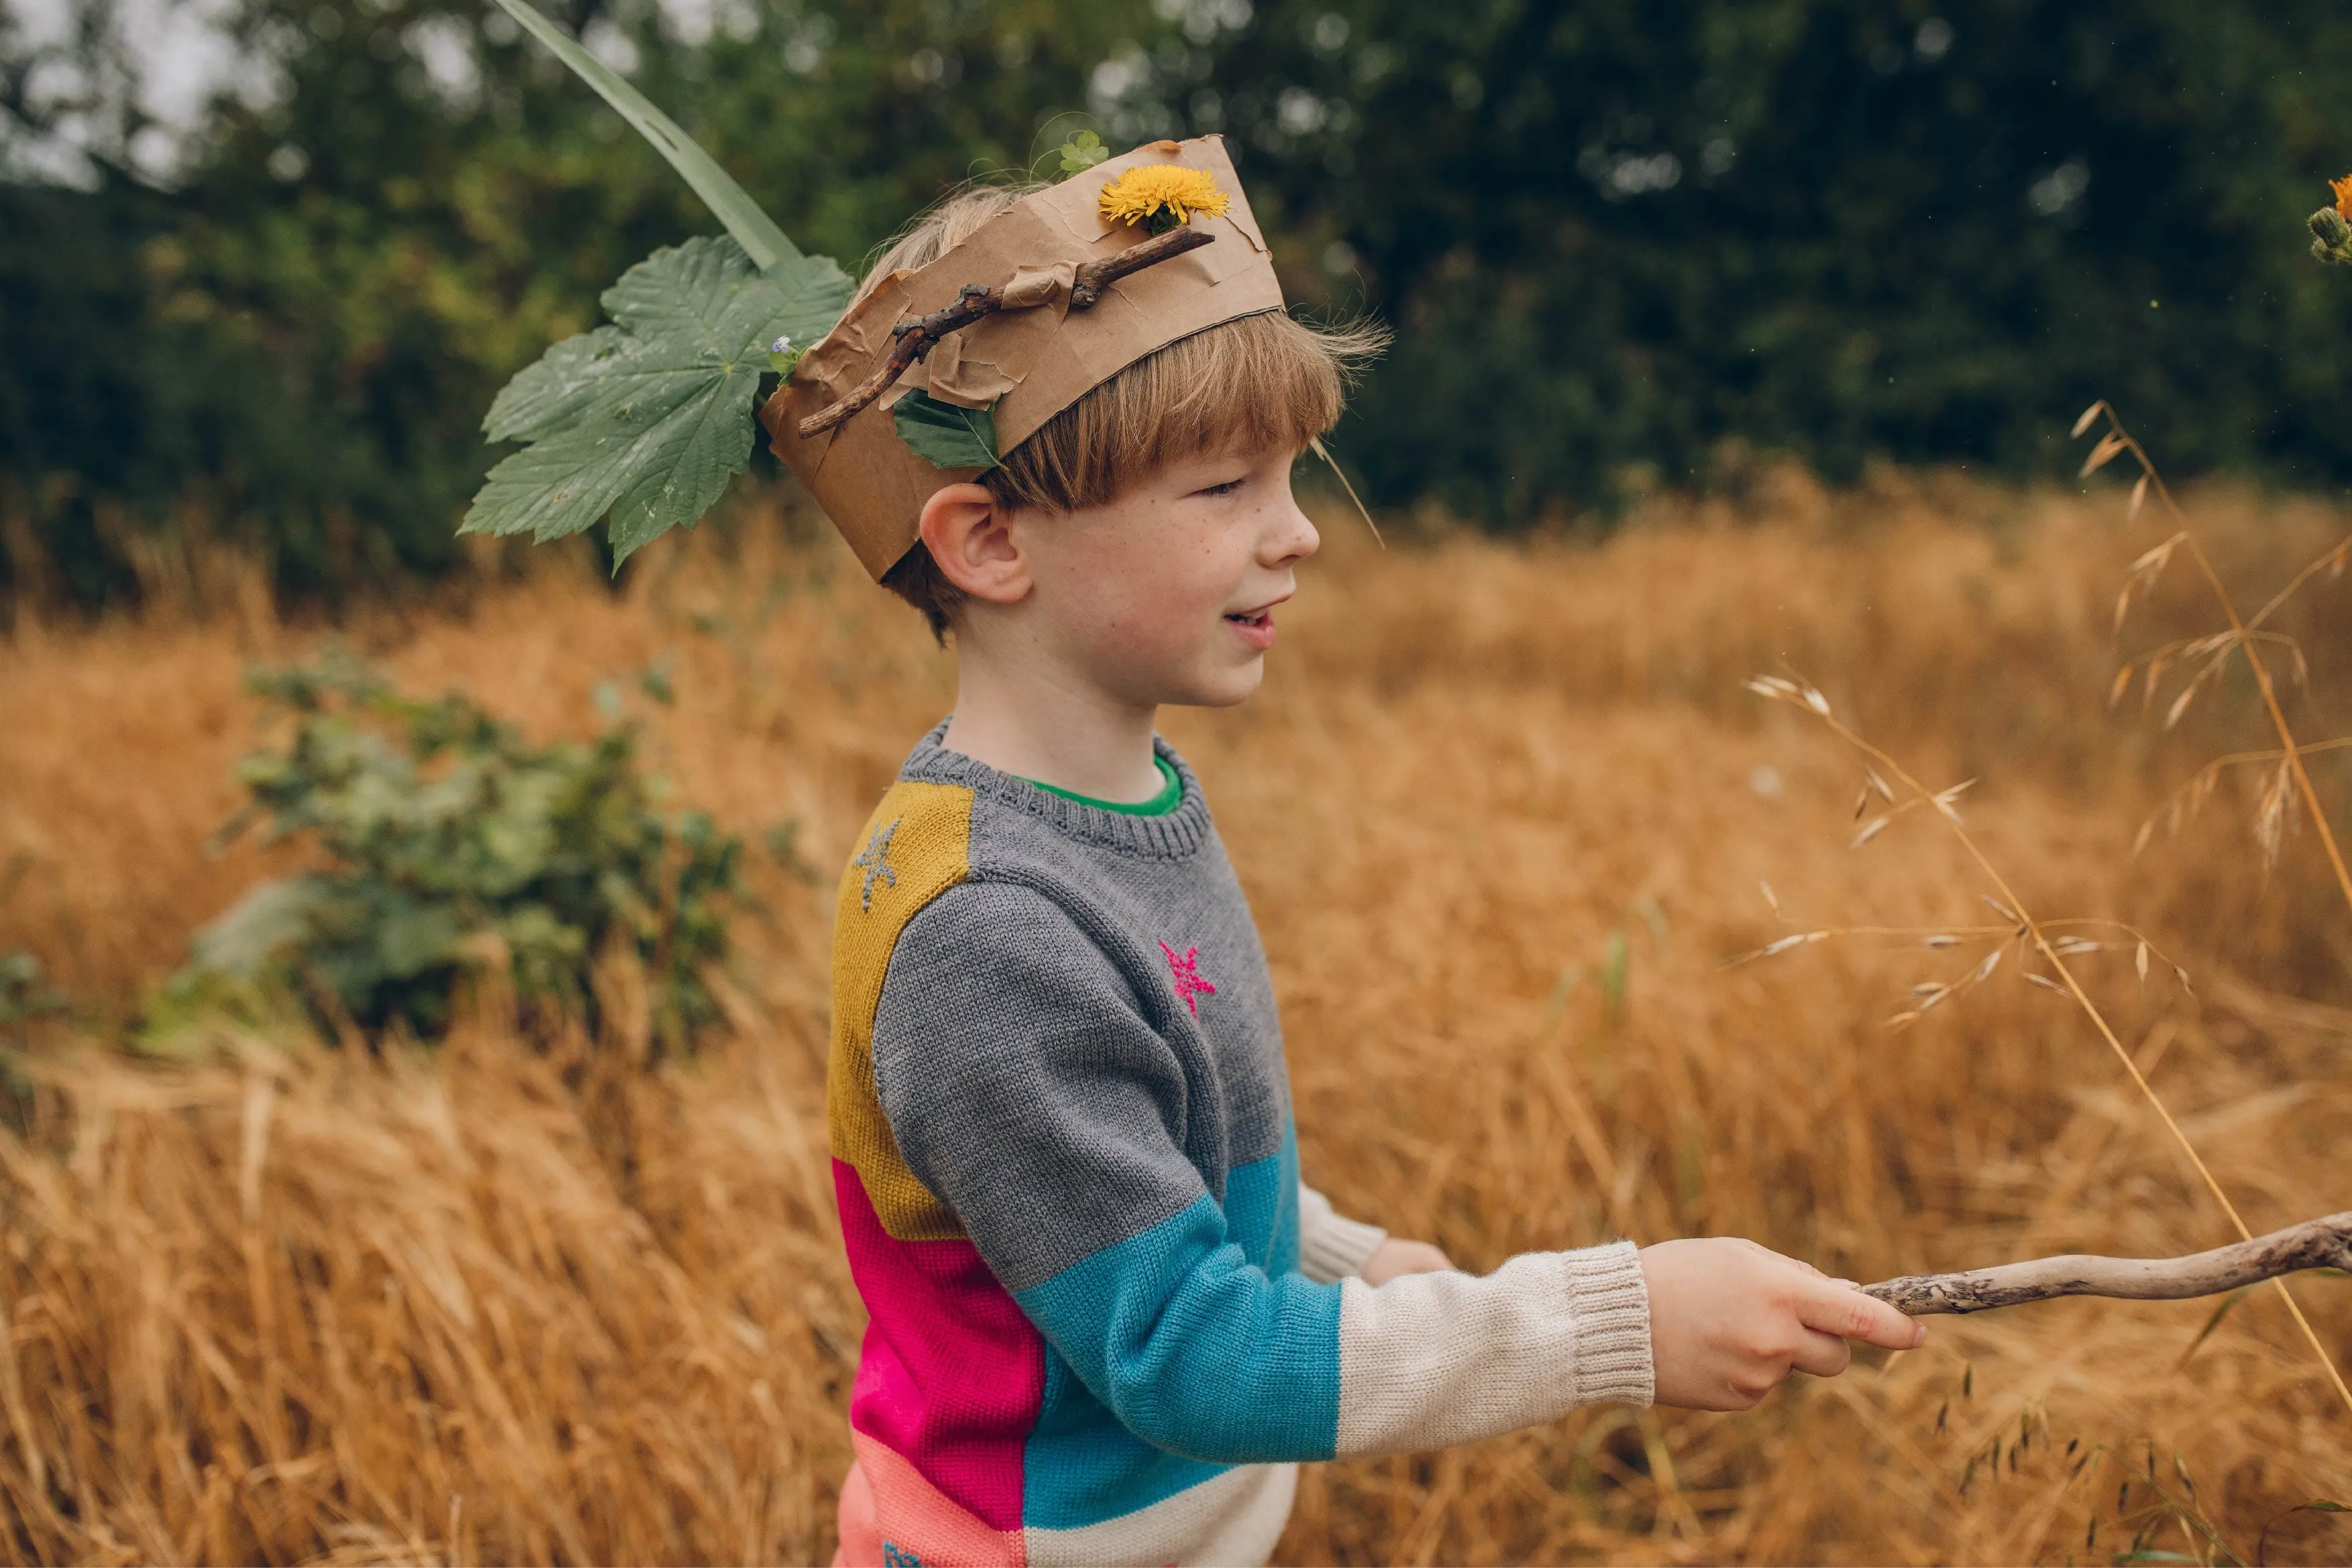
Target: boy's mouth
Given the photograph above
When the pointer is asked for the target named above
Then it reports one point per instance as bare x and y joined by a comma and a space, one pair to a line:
1256, 626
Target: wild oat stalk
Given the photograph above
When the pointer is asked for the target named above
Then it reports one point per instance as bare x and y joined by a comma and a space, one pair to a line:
1929, 995
2276, 810
2030, 933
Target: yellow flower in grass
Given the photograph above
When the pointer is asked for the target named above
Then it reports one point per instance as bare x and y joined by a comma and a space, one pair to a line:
2343, 189
1162, 195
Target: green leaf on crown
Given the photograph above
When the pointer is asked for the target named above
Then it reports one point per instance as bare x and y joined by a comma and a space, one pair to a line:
647, 419
945, 435
1082, 153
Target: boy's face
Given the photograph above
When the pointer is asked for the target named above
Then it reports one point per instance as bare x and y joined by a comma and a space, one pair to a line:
1166, 595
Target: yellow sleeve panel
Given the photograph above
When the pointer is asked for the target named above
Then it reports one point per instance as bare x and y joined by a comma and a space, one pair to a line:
916, 845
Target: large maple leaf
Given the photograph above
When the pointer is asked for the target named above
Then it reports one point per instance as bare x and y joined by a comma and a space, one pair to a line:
647, 419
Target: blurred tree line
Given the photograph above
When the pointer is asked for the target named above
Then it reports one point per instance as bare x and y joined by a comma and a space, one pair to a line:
1622, 243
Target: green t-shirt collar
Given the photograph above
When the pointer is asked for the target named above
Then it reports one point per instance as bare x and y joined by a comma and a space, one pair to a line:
1170, 796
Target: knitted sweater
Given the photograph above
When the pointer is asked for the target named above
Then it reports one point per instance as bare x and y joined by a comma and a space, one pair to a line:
1105, 1318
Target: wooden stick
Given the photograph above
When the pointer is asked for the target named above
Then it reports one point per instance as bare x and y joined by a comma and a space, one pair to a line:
2314, 1244
917, 338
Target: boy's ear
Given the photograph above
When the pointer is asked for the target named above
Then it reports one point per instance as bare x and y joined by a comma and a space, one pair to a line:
973, 543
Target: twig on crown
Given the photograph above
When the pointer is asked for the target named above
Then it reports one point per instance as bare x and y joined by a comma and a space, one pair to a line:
918, 337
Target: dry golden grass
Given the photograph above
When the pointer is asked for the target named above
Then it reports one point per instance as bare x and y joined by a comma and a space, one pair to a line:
1501, 812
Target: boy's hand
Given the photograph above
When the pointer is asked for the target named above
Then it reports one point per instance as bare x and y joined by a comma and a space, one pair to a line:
1728, 1319
1394, 1257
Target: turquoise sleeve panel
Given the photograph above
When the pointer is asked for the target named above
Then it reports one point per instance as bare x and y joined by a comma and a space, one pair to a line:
1082, 1468
1262, 1208
1195, 1349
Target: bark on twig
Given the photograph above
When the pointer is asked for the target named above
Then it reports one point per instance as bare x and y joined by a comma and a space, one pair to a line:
917, 338
2314, 1244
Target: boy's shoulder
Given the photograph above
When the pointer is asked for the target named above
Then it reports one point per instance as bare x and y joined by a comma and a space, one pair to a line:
966, 855
914, 846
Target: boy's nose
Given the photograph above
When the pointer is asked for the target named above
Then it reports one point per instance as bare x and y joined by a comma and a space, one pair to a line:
1292, 536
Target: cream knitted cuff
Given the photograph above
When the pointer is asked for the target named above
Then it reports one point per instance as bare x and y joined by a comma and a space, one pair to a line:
1332, 1247
1611, 1301
1427, 1360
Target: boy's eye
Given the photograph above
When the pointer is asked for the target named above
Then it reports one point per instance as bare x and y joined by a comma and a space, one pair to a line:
1227, 488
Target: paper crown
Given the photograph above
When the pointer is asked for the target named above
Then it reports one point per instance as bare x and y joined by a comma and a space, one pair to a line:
1042, 303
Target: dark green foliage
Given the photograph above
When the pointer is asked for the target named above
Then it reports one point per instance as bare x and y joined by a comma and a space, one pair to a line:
449, 843
1617, 234
946, 435
1611, 237
292, 345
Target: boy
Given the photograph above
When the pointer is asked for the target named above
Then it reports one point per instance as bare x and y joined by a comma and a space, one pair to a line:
1106, 1317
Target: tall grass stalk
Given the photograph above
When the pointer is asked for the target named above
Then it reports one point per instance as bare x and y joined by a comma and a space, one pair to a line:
2031, 930
2243, 635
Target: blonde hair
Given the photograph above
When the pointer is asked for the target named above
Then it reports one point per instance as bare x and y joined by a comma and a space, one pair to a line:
1259, 382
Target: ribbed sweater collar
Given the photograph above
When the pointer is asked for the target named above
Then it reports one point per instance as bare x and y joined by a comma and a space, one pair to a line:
1171, 835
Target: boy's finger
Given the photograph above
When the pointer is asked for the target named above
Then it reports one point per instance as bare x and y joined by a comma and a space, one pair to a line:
1850, 1314
1822, 1355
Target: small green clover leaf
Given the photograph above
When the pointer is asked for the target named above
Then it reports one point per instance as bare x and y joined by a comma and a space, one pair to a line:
1082, 153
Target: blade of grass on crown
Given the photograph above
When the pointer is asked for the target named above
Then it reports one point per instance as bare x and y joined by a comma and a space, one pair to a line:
757, 233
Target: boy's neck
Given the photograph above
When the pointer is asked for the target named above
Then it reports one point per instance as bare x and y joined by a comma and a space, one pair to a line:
1057, 731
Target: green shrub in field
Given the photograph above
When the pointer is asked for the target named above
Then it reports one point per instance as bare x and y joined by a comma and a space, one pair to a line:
21, 996
447, 843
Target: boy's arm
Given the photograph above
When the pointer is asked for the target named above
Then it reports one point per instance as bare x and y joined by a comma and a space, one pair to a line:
1028, 1090
1332, 1247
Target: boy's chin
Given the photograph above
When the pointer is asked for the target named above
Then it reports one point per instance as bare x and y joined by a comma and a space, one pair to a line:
1216, 688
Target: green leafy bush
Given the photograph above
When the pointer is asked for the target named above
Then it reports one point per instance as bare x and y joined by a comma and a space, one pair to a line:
22, 996
450, 845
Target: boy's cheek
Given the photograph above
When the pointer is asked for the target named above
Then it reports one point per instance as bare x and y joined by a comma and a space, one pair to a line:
1162, 642
1165, 655
1148, 602
1143, 613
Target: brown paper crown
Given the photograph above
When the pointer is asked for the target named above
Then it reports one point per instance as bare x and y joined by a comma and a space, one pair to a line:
1027, 364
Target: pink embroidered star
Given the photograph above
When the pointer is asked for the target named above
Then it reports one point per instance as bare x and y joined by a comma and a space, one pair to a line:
1187, 973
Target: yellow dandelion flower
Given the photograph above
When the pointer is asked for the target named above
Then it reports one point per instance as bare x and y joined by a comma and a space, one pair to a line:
2343, 189
1144, 194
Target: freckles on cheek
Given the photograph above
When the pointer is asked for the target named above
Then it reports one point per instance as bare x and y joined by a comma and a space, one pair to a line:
1141, 625
1149, 591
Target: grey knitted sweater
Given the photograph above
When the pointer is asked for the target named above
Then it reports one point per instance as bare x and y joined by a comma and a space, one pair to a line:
1107, 1318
